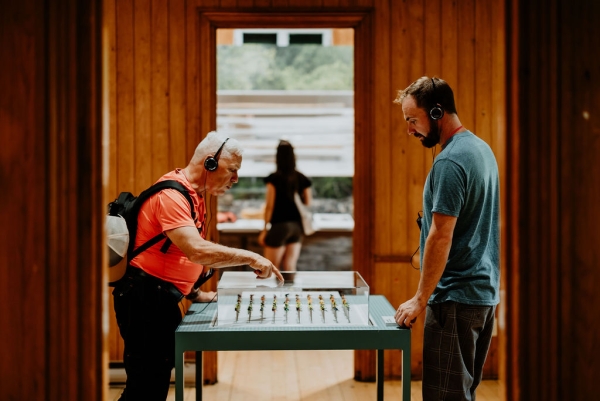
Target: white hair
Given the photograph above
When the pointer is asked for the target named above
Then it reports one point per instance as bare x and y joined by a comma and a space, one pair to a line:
211, 144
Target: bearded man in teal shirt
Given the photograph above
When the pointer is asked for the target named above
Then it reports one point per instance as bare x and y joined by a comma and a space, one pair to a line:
460, 245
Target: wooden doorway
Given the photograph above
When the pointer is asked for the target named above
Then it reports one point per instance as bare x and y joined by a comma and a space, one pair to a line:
203, 66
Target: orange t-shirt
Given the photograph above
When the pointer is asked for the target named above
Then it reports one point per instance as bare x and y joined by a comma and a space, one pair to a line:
163, 211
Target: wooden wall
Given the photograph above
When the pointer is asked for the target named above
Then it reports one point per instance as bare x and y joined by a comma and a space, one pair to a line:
51, 280
52, 303
162, 102
554, 214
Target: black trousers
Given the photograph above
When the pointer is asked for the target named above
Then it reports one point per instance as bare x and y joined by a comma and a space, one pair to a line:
147, 315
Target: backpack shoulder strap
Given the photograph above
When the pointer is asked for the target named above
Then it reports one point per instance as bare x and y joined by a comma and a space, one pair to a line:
167, 184
143, 197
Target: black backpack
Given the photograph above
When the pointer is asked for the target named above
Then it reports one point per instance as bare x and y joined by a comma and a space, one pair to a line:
128, 206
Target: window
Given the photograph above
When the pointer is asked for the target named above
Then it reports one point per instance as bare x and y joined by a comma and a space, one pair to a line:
262, 38
283, 37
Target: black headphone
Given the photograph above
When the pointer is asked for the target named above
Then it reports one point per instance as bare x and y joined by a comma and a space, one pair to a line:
212, 162
436, 111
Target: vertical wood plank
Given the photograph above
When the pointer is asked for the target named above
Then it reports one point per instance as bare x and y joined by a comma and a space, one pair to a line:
499, 144
125, 120
115, 350
449, 40
433, 37
483, 68
159, 91
125, 98
512, 370
60, 121
533, 217
125, 128
143, 130
579, 108
465, 87
178, 74
23, 220
382, 145
363, 152
110, 44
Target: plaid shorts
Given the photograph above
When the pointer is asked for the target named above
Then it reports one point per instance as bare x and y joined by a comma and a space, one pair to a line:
456, 342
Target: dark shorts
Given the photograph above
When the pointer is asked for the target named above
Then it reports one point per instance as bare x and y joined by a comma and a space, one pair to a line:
285, 233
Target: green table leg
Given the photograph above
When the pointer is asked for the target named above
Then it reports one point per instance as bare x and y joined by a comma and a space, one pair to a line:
178, 374
380, 375
406, 374
199, 378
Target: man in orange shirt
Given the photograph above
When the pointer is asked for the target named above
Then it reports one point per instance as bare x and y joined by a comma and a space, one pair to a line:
146, 300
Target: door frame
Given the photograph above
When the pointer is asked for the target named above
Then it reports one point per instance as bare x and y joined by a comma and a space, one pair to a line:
202, 99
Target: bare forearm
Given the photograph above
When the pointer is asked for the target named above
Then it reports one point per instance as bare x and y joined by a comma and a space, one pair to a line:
218, 256
198, 250
436, 254
437, 249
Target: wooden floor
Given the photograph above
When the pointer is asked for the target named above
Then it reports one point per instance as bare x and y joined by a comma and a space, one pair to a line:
298, 375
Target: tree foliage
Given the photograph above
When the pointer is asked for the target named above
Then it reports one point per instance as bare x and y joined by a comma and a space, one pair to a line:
296, 67
322, 187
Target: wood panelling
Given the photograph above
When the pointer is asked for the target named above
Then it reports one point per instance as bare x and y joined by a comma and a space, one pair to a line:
576, 196
51, 249
554, 174
342, 37
52, 170
395, 43
23, 82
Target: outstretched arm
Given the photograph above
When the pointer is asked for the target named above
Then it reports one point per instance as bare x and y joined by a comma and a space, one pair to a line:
437, 249
198, 250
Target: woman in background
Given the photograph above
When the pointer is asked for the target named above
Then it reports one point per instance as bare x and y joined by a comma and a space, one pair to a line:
282, 242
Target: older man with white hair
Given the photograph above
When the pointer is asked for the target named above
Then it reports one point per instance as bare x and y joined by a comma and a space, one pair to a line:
146, 299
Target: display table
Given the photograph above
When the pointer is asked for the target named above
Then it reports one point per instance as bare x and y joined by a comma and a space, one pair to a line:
197, 332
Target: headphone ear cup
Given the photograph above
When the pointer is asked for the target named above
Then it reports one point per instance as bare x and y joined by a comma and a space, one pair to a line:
211, 163
436, 112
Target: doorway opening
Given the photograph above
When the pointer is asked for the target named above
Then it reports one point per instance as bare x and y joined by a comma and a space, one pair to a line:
297, 85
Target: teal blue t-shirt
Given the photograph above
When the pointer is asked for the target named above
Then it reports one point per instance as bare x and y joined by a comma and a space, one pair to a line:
463, 182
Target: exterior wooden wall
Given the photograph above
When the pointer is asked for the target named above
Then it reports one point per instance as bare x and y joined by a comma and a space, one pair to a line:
161, 105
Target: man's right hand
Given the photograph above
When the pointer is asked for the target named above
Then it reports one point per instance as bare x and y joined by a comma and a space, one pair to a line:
263, 268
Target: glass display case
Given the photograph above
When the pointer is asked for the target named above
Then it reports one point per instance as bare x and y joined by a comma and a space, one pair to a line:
315, 298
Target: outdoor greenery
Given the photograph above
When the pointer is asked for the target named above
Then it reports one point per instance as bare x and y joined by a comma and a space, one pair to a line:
322, 187
295, 67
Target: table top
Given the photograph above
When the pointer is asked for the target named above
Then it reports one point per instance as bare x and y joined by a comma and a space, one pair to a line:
198, 332
322, 222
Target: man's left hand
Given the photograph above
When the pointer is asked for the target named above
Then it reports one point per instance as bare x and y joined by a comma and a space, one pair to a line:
406, 314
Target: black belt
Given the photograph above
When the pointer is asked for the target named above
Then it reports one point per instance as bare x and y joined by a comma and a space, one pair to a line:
161, 284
